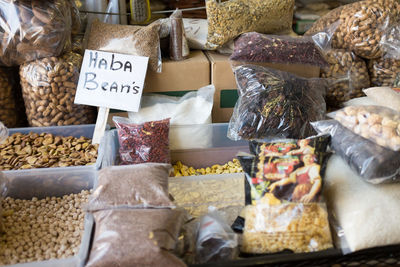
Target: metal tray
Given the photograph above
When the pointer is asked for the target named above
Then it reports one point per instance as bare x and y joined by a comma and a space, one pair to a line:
55, 182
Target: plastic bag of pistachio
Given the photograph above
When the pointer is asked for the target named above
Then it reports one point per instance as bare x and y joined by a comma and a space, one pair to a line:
229, 19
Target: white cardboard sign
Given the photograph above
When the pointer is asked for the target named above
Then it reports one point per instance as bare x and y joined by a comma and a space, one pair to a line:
111, 80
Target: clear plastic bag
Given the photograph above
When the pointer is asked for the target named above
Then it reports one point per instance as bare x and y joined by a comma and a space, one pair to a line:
379, 124
178, 46
193, 108
367, 215
385, 96
383, 71
133, 186
3, 132
362, 26
351, 74
374, 163
257, 47
136, 237
127, 39
49, 87
33, 29
275, 104
229, 19
8, 105
141, 143
299, 227
215, 239
196, 33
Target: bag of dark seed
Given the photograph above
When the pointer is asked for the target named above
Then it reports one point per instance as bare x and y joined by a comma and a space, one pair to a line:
283, 188
374, 163
141, 143
275, 104
258, 47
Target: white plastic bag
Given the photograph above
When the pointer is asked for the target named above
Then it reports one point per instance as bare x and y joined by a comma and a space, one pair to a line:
188, 115
385, 96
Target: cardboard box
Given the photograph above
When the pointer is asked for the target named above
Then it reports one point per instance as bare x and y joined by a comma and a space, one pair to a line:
176, 78
225, 85
186, 75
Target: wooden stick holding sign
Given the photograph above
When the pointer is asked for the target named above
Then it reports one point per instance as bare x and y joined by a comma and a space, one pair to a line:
110, 80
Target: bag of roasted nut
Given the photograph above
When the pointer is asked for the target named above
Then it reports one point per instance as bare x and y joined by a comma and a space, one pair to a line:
349, 71
283, 185
379, 124
8, 105
49, 87
362, 26
32, 29
383, 71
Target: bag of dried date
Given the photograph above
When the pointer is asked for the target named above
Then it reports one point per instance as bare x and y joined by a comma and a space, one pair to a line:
229, 19
33, 29
283, 184
127, 39
385, 96
351, 74
257, 47
145, 142
136, 237
49, 87
134, 186
374, 163
379, 124
275, 104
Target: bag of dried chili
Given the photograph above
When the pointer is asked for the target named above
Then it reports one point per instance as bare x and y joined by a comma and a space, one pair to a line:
141, 143
275, 104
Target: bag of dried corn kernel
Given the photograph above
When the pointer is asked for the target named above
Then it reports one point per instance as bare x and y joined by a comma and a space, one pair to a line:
284, 209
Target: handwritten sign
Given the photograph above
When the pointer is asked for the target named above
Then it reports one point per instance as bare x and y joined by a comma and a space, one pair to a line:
111, 80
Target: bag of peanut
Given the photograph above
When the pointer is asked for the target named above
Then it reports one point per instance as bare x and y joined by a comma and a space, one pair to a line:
49, 87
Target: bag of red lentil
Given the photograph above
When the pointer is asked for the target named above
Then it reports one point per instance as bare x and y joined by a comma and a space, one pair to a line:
141, 143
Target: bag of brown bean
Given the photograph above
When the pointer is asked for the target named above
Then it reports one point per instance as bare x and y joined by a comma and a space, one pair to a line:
139, 186
8, 105
49, 87
379, 124
257, 47
275, 104
351, 74
136, 237
127, 39
178, 45
229, 19
33, 29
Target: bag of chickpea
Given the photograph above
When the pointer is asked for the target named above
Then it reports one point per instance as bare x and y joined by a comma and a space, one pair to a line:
379, 124
285, 210
49, 87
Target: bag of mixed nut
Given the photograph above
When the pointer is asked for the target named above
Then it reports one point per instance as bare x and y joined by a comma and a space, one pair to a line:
349, 71
257, 47
49, 87
383, 71
229, 19
373, 163
139, 186
8, 105
275, 104
127, 39
379, 124
362, 26
136, 237
33, 29
283, 184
